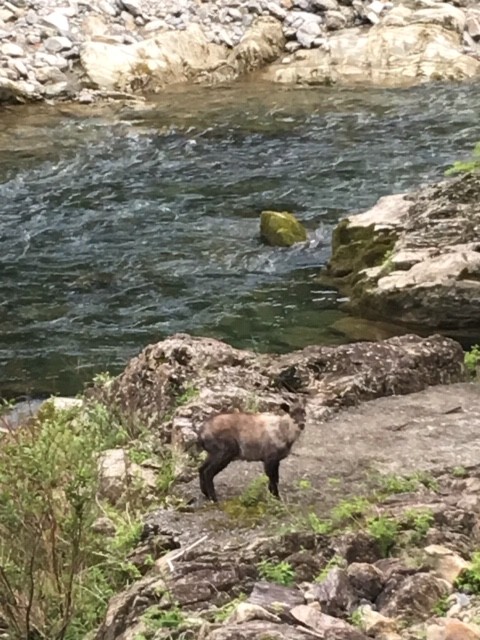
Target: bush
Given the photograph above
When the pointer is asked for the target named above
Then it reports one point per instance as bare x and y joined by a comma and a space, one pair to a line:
56, 574
466, 166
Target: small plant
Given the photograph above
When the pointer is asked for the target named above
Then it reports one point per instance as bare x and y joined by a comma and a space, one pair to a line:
349, 509
441, 607
419, 521
469, 580
466, 166
385, 531
472, 360
279, 572
318, 526
459, 472
252, 404
356, 618
102, 378
189, 394
304, 484
255, 492
392, 484
387, 263
335, 561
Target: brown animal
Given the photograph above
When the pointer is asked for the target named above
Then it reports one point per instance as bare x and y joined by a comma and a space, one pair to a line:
265, 437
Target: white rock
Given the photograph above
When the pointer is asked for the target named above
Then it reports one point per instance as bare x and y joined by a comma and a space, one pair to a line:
12, 50
308, 32
57, 20
133, 6
376, 6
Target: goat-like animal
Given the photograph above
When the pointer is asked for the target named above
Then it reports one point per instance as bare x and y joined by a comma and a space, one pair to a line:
265, 437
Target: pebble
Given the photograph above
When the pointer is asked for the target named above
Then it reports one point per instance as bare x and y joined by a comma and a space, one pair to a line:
57, 20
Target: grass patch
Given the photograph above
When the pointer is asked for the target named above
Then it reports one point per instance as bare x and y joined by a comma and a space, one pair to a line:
385, 531
466, 166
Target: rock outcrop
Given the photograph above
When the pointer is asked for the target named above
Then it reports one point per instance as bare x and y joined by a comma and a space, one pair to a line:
405, 47
172, 386
415, 258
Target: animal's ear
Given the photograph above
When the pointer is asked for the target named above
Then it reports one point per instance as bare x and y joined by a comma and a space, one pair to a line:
285, 407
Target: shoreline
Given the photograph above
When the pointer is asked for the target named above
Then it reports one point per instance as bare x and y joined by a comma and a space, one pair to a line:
83, 53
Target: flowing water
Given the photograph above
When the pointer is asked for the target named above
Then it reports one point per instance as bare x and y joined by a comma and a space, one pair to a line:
121, 225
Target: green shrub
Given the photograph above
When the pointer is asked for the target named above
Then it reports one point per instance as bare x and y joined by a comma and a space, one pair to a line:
385, 531
56, 574
469, 580
466, 166
279, 572
472, 359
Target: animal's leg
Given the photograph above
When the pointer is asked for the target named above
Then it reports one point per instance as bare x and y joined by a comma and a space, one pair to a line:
216, 464
272, 470
201, 474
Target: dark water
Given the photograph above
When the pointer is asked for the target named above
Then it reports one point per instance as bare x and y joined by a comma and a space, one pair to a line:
121, 226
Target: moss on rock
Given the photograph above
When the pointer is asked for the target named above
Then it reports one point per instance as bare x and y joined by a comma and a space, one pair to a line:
281, 229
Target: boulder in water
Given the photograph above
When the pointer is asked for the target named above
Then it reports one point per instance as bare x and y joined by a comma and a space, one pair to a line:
281, 229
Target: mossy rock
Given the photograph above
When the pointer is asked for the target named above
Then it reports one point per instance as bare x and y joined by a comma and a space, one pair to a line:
281, 229
358, 247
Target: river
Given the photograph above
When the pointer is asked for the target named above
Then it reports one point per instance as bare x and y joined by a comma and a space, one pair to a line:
120, 225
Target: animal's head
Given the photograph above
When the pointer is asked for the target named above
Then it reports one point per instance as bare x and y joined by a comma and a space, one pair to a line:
296, 410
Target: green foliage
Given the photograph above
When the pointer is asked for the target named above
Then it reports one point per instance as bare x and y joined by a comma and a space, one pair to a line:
466, 166
102, 378
189, 394
304, 484
392, 484
157, 618
356, 618
472, 360
318, 526
56, 573
441, 607
350, 509
419, 521
279, 572
255, 492
385, 531
469, 580
459, 472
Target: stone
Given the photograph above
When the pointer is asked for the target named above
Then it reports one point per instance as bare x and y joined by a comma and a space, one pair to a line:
374, 623
325, 625
57, 89
55, 44
275, 598
451, 629
335, 20
473, 25
325, 5
307, 33
415, 597
58, 21
276, 10
133, 6
445, 563
12, 50
113, 474
280, 228
334, 594
366, 579
246, 611
257, 630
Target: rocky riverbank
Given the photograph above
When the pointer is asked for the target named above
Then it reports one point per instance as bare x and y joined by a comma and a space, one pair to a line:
69, 49
376, 534
415, 258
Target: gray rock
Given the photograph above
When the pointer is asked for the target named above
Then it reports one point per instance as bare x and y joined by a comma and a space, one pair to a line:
335, 594
57, 89
473, 25
55, 44
107, 8
366, 579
